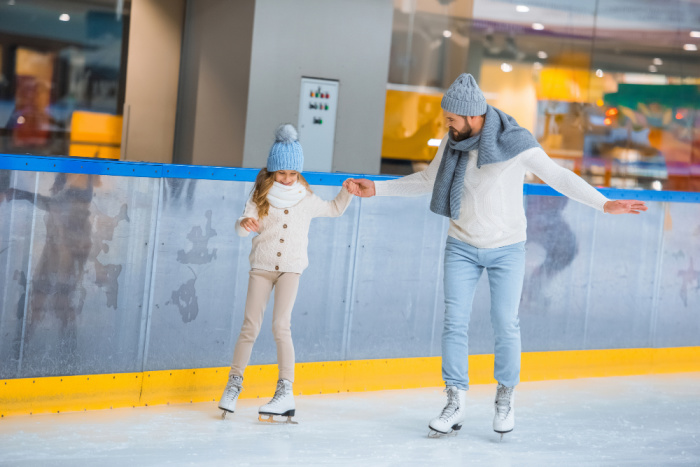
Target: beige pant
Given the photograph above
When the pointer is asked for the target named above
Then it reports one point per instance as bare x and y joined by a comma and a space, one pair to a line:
260, 285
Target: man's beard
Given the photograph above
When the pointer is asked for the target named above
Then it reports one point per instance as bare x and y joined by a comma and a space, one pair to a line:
461, 136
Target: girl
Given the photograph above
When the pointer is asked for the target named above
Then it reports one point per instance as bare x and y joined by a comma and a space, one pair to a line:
280, 210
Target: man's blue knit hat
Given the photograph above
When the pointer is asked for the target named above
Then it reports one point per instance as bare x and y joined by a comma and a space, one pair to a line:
286, 153
464, 97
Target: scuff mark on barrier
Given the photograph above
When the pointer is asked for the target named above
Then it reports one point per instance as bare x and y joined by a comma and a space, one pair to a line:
185, 298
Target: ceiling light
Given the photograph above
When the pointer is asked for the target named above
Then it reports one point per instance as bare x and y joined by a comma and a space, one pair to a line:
599, 73
434, 142
522, 8
657, 62
690, 47
446, 33
694, 33
64, 17
506, 67
542, 54
653, 69
10, 2
537, 26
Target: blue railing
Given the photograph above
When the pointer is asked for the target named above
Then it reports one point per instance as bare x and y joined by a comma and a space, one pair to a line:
157, 170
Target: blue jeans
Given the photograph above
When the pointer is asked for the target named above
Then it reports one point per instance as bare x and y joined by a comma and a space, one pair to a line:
506, 270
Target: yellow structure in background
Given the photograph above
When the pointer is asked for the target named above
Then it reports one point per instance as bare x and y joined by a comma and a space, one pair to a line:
95, 135
411, 119
570, 85
513, 92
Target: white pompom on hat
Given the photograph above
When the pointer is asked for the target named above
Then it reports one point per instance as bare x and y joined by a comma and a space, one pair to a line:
286, 152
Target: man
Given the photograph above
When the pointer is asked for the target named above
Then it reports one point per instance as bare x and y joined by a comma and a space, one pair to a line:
476, 180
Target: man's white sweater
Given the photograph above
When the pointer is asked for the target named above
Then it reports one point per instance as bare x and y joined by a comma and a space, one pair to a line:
283, 236
492, 214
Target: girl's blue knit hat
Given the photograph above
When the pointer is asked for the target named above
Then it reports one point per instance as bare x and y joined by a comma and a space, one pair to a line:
286, 153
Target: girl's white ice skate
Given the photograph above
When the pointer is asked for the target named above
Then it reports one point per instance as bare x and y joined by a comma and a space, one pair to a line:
230, 396
504, 419
450, 420
282, 404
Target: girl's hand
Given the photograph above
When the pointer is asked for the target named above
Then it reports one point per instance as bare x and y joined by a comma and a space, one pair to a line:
250, 224
351, 186
360, 187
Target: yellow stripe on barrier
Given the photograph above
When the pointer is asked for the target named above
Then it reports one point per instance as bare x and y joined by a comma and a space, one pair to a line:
90, 392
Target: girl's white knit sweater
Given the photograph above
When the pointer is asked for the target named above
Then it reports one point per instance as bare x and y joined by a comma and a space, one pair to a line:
492, 214
283, 235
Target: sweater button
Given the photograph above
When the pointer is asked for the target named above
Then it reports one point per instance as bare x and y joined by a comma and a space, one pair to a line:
277, 268
286, 211
281, 240
284, 226
279, 253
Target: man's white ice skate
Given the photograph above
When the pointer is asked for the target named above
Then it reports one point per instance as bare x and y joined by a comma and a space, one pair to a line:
504, 419
230, 396
282, 404
450, 420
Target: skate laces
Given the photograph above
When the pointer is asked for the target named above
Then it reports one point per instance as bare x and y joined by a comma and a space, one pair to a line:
452, 404
280, 392
503, 396
233, 388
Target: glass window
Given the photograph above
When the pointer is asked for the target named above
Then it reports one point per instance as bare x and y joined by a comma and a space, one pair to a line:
62, 77
611, 89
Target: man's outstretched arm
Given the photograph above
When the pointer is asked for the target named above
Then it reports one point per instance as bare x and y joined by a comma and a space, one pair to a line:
571, 185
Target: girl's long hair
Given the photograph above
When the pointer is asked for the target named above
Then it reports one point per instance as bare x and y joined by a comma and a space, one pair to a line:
263, 183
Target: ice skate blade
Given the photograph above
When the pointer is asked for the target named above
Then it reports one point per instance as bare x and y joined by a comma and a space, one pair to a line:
270, 419
502, 433
439, 434
224, 412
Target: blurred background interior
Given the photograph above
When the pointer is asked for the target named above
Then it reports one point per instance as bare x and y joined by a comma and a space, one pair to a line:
610, 88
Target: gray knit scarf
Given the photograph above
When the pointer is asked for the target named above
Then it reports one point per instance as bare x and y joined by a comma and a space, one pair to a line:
500, 139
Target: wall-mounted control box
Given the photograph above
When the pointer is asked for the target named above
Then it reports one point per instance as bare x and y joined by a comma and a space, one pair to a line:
318, 103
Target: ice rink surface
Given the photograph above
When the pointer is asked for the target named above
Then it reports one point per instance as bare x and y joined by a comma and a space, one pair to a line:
637, 420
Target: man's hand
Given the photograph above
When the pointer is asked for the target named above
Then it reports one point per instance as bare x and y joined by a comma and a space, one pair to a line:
360, 187
624, 207
250, 224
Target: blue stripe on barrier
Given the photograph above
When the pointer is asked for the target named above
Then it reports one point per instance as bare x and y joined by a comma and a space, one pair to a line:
80, 166
617, 193
209, 173
154, 170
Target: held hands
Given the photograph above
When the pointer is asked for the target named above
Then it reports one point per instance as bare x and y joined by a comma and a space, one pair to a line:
351, 186
624, 207
360, 187
250, 224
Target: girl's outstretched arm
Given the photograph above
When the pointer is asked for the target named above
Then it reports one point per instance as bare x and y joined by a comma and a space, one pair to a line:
250, 212
332, 208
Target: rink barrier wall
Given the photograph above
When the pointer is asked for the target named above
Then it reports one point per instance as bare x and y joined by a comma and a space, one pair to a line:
370, 316
28, 396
